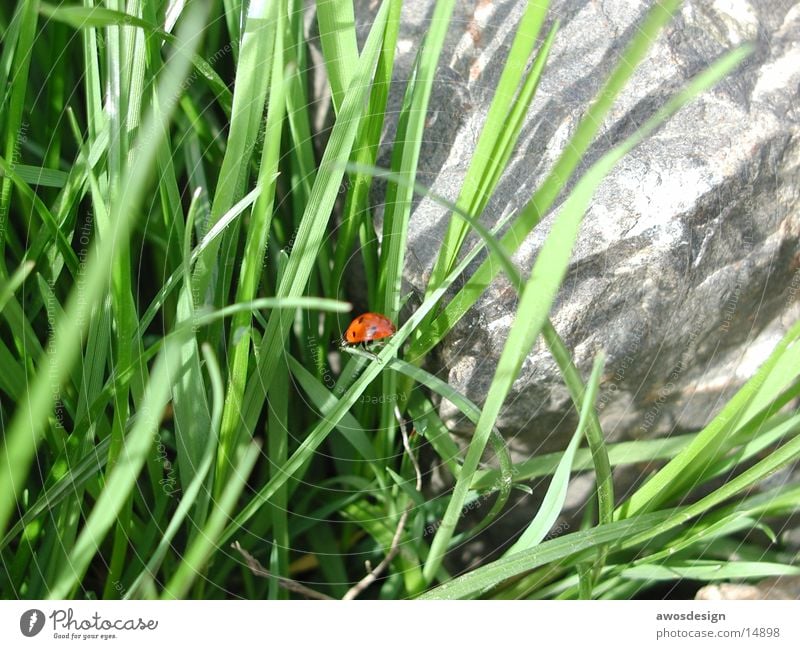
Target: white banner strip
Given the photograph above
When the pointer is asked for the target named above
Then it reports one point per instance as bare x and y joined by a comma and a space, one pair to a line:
329, 625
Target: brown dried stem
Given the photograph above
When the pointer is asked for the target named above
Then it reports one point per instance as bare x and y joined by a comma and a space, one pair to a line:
373, 573
289, 584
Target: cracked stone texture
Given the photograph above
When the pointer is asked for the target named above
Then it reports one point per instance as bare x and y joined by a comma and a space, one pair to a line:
686, 268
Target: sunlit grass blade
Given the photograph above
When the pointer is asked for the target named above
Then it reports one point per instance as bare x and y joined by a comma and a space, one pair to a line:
772, 432
337, 34
714, 441
708, 571
9, 286
255, 248
41, 176
477, 185
405, 158
556, 494
356, 212
621, 453
226, 219
509, 136
480, 580
252, 80
787, 453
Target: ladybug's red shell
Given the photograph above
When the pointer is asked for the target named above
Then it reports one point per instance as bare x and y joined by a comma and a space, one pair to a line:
368, 327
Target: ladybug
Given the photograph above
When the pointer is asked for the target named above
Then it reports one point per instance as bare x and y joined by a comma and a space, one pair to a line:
368, 327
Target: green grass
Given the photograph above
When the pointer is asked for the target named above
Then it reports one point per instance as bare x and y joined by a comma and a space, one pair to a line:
176, 236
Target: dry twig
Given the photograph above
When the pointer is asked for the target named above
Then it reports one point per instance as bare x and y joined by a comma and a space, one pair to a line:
289, 584
373, 573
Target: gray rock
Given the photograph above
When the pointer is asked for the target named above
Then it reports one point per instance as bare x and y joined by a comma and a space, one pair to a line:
772, 588
686, 269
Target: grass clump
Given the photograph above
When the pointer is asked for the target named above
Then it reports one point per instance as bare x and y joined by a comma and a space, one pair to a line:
176, 422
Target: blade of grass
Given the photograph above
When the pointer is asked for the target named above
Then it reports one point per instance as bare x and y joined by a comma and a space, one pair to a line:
772, 433
509, 136
713, 442
41, 176
255, 247
10, 37
556, 494
635, 452
191, 411
248, 105
495, 127
405, 159
193, 489
9, 286
356, 209
337, 35
14, 109
193, 563
398, 200
708, 571
278, 450
480, 580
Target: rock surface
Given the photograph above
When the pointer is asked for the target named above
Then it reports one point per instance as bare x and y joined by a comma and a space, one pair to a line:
686, 269
772, 588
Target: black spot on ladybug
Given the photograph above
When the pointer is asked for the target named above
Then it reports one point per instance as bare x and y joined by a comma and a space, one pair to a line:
371, 331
